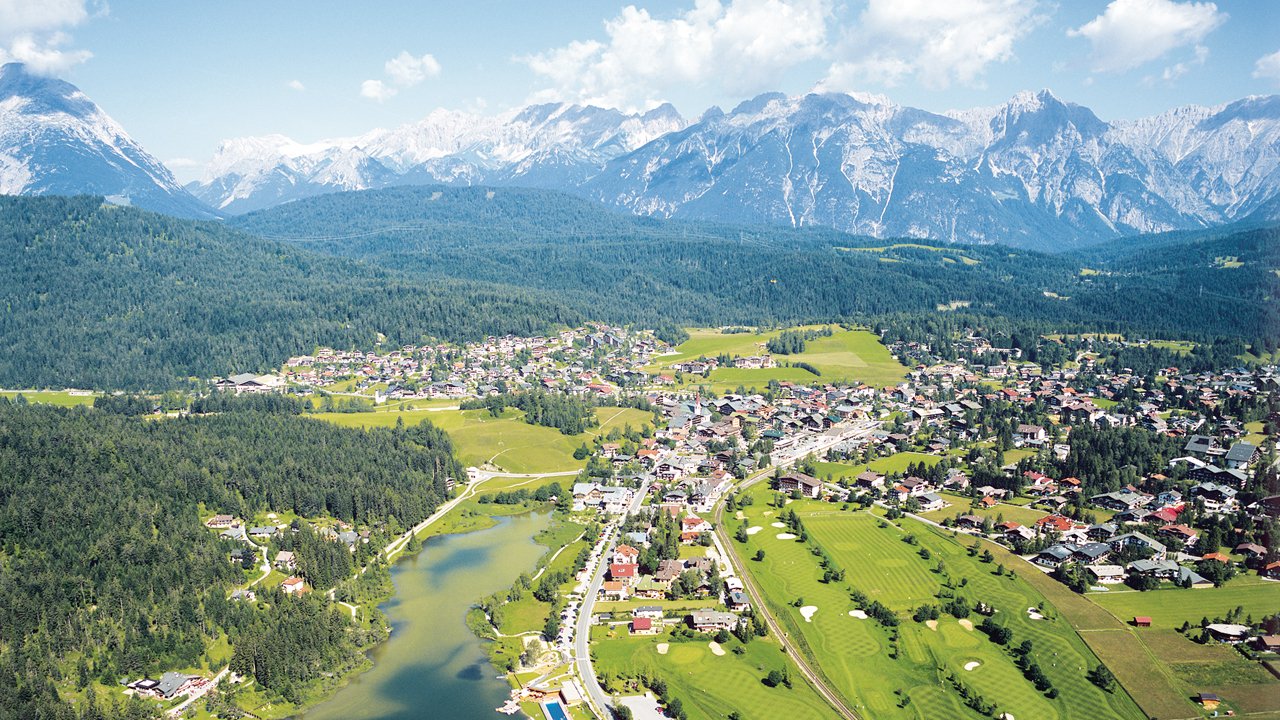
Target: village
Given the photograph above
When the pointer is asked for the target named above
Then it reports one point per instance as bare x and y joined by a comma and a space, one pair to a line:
968, 447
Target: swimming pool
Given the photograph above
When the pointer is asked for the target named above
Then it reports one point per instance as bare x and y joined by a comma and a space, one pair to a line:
554, 710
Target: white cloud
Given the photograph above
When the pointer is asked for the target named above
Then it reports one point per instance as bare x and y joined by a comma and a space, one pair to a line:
1268, 68
377, 90
1130, 33
296, 85
406, 70
181, 163
937, 43
32, 32
742, 46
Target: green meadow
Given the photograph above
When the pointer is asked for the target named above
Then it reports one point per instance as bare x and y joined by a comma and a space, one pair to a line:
62, 398
505, 441
1170, 608
848, 355
906, 677
896, 463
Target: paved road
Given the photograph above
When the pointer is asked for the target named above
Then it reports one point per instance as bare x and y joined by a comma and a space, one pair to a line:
582, 631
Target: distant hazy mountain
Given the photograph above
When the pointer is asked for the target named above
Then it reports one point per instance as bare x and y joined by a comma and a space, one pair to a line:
549, 146
1036, 171
55, 141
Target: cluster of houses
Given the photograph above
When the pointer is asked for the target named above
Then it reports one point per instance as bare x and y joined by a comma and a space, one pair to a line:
595, 359
285, 560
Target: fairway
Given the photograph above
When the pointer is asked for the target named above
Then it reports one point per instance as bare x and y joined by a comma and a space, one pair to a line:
858, 655
709, 686
506, 441
847, 355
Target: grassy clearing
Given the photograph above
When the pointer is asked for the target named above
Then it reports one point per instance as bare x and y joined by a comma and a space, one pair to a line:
867, 666
1170, 608
851, 355
506, 441
61, 398
709, 686
896, 463
960, 506
1256, 435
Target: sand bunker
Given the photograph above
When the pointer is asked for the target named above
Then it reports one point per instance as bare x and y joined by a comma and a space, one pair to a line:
967, 624
767, 513
971, 664
858, 614
754, 529
786, 536
715, 648
662, 648
807, 611
778, 524
740, 516
931, 624
1034, 614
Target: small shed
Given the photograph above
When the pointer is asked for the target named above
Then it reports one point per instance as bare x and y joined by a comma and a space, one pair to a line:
1142, 621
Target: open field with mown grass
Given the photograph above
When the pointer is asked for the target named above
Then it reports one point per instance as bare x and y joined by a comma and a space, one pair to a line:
709, 686
1170, 608
861, 658
851, 355
896, 463
61, 398
960, 506
506, 441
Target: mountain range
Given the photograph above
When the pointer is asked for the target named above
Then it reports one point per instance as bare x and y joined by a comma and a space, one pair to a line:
1036, 171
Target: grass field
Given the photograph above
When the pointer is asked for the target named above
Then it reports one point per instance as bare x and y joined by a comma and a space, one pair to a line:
853, 355
896, 463
62, 398
960, 506
709, 686
1255, 436
506, 441
1170, 608
858, 656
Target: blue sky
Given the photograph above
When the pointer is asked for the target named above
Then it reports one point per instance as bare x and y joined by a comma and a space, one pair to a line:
182, 76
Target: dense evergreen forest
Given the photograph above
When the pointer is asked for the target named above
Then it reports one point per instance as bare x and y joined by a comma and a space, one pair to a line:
105, 566
636, 269
108, 297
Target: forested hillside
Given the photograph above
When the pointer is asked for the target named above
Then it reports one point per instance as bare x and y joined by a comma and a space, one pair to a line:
107, 297
106, 568
622, 268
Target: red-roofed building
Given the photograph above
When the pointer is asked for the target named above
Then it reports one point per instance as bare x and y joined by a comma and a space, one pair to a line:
1054, 523
623, 572
642, 626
